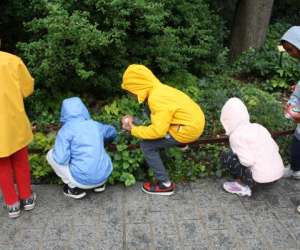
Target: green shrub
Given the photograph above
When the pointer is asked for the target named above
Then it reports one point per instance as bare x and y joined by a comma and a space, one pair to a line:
40, 169
80, 45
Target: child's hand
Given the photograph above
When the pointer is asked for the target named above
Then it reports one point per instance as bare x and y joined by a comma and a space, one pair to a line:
127, 122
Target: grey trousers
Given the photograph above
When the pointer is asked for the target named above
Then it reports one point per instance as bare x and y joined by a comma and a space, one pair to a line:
151, 153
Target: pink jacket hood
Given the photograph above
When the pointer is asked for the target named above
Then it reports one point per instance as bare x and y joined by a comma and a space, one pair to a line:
233, 114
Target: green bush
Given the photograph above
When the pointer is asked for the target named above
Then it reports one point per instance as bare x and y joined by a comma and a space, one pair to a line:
80, 45
40, 170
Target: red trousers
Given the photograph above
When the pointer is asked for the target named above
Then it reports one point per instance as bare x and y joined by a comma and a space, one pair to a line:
15, 167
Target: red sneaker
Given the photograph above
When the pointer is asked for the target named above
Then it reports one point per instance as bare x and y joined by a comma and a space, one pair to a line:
158, 188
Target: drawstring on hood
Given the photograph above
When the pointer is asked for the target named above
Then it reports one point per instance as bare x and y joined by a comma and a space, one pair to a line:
139, 80
292, 36
73, 108
233, 114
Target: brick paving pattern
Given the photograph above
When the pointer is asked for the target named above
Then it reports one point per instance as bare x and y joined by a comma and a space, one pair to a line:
200, 215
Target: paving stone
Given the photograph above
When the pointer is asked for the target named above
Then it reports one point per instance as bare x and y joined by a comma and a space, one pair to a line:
54, 244
233, 205
58, 232
215, 219
187, 212
223, 239
243, 226
199, 246
136, 215
191, 233
277, 235
167, 242
138, 236
278, 200
205, 200
27, 239
85, 237
161, 217
255, 244
259, 210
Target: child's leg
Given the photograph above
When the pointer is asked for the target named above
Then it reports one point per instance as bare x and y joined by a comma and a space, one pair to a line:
231, 162
151, 153
20, 164
295, 154
7, 182
62, 171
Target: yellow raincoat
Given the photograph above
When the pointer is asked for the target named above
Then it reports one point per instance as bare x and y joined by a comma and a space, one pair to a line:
16, 83
172, 111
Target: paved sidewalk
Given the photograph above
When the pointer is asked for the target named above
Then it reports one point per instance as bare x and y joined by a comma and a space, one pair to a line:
199, 216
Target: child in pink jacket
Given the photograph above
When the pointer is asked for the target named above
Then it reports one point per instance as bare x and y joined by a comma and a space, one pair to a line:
254, 157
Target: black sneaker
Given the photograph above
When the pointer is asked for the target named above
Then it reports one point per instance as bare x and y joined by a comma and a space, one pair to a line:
158, 188
75, 193
14, 211
29, 203
99, 189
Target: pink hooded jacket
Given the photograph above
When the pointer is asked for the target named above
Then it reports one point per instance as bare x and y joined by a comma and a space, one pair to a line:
251, 142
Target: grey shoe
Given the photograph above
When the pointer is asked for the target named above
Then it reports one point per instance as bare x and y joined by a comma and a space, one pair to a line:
29, 203
289, 173
14, 211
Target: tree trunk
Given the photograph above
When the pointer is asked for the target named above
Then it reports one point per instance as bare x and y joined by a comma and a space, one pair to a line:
251, 21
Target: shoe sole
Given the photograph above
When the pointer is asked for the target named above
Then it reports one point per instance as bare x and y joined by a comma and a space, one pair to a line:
158, 193
75, 196
32, 206
14, 215
99, 190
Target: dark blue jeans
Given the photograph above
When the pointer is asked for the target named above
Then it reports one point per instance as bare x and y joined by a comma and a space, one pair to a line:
151, 150
295, 154
231, 162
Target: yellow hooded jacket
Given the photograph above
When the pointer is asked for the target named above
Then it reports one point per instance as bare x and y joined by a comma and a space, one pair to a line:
172, 111
16, 83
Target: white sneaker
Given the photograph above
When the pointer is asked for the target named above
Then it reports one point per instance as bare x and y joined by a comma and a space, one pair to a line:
234, 187
296, 175
298, 209
99, 189
289, 173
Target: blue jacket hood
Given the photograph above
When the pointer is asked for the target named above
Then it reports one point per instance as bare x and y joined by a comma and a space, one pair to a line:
292, 36
73, 108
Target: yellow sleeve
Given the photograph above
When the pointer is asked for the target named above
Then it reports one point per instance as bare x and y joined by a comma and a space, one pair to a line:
25, 79
160, 122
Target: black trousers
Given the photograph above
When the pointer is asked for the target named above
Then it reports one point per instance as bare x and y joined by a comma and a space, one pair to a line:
295, 154
231, 162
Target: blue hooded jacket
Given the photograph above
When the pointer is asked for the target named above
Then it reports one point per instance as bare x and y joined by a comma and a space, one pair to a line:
80, 144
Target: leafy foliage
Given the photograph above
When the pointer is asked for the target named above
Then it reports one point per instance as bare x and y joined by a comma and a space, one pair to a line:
78, 45
40, 170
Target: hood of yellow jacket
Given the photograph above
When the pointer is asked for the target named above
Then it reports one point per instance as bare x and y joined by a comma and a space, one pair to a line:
139, 80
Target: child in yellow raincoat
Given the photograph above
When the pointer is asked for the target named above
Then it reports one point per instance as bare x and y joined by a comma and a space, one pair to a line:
16, 83
175, 120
